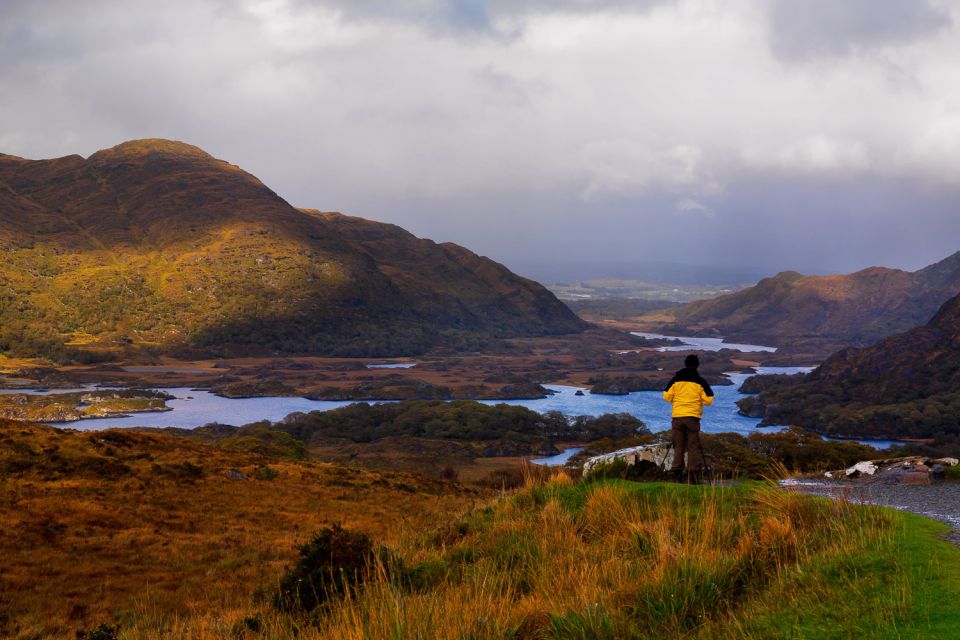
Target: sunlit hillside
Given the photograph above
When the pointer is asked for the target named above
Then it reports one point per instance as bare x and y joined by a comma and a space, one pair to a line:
155, 245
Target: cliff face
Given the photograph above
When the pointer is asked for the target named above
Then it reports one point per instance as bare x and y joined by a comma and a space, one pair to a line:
156, 244
853, 309
907, 385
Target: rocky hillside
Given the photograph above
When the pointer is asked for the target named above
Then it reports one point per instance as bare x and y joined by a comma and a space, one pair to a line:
907, 385
155, 244
853, 309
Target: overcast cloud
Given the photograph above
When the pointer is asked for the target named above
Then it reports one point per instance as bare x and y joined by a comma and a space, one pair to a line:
820, 135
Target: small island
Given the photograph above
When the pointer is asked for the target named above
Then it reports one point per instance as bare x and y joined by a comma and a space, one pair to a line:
81, 405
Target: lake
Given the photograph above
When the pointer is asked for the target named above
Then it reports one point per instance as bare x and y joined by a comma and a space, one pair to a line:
196, 407
650, 407
702, 344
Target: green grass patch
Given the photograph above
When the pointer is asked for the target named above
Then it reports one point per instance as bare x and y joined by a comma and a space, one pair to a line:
616, 559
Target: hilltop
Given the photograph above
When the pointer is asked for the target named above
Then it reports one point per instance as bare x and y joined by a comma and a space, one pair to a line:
837, 310
155, 245
907, 385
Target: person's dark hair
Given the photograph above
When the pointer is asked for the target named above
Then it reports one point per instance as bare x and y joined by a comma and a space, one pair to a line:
691, 361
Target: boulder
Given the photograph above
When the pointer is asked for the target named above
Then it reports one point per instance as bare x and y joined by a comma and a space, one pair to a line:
909, 470
866, 467
659, 455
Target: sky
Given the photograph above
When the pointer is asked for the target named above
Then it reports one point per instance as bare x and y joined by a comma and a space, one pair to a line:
579, 136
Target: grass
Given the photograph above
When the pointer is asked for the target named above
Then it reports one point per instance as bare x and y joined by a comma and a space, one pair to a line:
622, 560
150, 531
176, 553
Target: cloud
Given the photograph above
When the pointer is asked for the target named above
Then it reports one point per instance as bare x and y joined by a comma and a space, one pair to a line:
689, 205
816, 153
500, 17
823, 28
528, 127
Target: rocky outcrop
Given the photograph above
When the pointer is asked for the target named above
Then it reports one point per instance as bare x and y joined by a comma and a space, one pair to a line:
656, 456
908, 470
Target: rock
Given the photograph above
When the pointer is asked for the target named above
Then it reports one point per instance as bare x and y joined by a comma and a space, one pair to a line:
579, 392
947, 462
910, 470
660, 455
236, 475
866, 467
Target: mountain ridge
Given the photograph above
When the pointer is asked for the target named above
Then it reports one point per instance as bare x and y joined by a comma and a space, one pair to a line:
843, 309
157, 244
906, 385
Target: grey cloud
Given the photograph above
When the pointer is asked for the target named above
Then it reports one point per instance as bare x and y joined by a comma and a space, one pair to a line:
806, 29
478, 16
420, 113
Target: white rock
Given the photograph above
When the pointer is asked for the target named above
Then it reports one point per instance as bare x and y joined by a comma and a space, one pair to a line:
863, 468
659, 454
947, 462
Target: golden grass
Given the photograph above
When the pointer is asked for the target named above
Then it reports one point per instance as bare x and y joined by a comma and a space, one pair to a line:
624, 564
98, 527
168, 553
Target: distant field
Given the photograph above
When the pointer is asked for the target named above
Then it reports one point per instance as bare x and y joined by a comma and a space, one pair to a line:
638, 290
616, 308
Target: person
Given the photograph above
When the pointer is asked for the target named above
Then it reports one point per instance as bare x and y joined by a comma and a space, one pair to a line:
689, 393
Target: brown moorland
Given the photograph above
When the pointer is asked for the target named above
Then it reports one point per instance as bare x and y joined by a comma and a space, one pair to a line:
514, 368
117, 526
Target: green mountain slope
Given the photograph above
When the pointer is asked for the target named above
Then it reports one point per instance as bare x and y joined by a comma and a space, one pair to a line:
156, 244
907, 385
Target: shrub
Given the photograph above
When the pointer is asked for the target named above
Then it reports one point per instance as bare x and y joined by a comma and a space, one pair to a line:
266, 473
103, 632
449, 473
332, 562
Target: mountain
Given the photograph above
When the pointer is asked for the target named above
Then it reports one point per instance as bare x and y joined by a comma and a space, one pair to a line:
907, 385
155, 244
852, 309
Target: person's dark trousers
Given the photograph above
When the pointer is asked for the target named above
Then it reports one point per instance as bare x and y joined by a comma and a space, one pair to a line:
685, 435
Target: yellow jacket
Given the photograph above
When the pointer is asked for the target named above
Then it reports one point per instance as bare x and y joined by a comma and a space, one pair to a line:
689, 394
